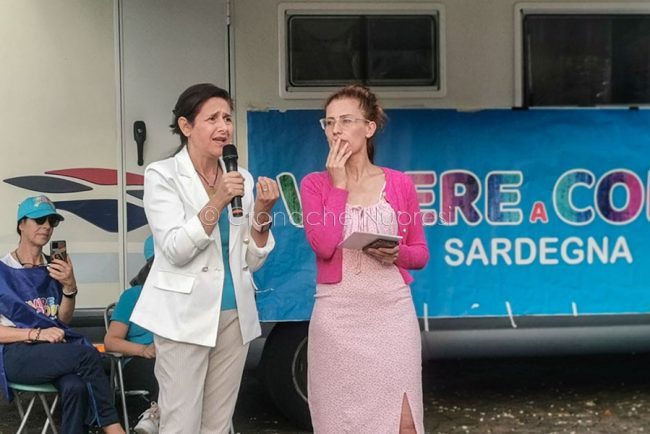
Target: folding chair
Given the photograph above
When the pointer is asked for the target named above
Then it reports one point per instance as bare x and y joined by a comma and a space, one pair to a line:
116, 368
40, 391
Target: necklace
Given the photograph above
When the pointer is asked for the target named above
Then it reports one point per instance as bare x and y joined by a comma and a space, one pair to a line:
211, 189
27, 263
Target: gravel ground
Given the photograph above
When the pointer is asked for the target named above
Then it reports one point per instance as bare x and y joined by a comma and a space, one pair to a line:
589, 394
597, 394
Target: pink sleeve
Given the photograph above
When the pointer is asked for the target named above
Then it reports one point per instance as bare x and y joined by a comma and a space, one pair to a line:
323, 217
413, 250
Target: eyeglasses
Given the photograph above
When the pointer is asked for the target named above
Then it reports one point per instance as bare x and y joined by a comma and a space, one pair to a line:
54, 220
344, 121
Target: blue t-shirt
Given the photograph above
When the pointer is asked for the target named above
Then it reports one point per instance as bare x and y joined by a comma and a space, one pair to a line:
228, 301
122, 313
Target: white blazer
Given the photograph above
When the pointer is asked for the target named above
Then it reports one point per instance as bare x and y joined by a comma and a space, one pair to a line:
181, 299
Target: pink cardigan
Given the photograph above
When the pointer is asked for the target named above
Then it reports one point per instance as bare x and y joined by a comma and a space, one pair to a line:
323, 210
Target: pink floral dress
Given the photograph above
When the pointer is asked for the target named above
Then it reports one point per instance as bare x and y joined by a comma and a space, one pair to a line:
364, 351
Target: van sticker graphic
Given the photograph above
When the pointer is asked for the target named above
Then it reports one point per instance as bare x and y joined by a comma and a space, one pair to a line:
99, 212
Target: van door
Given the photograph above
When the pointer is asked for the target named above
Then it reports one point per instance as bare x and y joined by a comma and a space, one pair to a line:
165, 46
57, 86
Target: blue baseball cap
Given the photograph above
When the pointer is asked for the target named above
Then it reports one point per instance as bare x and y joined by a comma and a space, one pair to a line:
148, 247
37, 206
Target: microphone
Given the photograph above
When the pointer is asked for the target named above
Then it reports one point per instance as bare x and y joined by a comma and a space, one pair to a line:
229, 156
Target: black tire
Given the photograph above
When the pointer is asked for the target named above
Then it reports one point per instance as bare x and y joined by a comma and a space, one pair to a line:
284, 371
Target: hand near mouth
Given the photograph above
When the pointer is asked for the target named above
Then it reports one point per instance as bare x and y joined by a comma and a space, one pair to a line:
335, 164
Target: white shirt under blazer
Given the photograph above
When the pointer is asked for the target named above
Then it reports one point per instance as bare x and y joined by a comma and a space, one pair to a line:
181, 298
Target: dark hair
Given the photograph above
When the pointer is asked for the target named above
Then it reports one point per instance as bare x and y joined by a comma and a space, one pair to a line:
369, 106
142, 275
18, 226
189, 104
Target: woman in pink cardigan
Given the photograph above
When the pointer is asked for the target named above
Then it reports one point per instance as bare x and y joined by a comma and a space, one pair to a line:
364, 355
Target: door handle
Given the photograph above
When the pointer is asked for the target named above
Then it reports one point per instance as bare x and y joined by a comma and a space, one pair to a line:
140, 135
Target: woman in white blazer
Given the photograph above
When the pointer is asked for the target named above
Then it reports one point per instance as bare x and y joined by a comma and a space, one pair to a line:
200, 305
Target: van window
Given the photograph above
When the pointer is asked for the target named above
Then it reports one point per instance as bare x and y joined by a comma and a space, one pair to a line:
586, 60
377, 50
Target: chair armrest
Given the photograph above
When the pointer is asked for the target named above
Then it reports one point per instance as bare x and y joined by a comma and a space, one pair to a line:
113, 355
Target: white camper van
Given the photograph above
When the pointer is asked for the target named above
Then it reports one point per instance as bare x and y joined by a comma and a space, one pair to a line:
523, 125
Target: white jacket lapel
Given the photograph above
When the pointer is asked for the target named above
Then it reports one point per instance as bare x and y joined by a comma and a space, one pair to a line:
190, 181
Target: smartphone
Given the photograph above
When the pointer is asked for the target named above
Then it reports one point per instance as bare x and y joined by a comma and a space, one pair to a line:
381, 243
58, 250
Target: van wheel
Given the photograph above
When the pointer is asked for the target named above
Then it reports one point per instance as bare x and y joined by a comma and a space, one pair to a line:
284, 370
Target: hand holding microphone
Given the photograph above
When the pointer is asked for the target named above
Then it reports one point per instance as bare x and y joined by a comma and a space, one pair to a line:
229, 156
229, 189
231, 186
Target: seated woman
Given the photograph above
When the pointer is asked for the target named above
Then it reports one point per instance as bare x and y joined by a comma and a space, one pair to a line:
130, 339
37, 301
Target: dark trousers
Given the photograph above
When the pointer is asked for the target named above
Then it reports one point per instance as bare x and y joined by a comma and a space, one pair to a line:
139, 375
77, 373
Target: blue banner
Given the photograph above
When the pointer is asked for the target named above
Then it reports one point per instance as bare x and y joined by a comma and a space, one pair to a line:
538, 212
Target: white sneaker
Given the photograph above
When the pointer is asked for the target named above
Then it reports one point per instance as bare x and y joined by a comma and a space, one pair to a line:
149, 420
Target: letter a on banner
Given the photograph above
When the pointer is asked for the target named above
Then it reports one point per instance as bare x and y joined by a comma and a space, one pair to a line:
538, 213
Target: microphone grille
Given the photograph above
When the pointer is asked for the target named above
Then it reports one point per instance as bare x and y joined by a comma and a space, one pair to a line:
229, 152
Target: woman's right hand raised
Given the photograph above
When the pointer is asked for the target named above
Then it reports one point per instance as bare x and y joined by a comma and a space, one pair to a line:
52, 335
230, 185
335, 163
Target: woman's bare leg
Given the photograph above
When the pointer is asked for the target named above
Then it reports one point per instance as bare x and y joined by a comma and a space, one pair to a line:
406, 423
